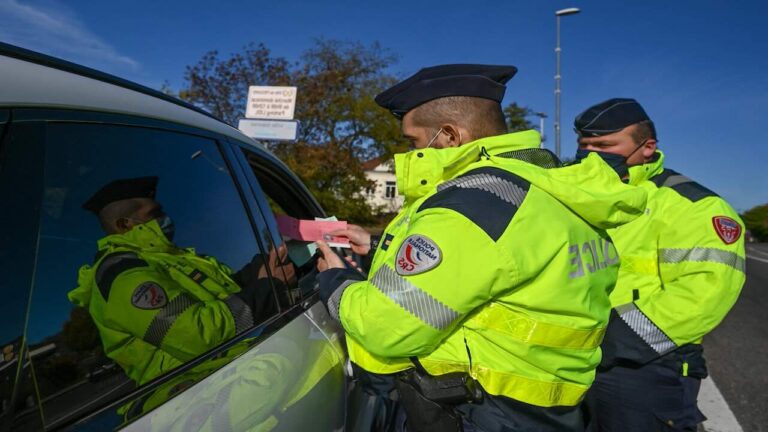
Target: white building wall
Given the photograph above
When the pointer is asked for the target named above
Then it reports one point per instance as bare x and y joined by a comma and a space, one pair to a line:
378, 197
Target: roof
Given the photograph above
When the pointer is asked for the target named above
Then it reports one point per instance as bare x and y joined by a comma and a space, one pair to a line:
370, 165
31, 79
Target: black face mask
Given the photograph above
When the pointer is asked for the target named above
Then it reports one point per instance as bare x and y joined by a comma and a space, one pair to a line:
615, 161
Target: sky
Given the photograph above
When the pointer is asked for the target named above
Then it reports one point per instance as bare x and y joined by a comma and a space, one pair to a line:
698, 67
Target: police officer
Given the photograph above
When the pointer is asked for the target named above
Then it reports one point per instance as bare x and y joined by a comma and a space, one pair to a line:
487, 295
157, 306
682, 268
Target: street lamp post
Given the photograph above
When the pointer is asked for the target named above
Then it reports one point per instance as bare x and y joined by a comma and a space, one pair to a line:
541, 117
558, 14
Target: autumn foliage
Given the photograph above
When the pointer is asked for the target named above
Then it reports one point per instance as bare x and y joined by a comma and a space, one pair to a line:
340, 124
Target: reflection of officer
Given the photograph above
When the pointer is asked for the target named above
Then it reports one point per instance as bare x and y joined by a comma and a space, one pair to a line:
682, 268
497, 267
264, 389
157, 306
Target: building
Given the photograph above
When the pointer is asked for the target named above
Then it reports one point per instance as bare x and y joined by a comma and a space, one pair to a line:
383, 195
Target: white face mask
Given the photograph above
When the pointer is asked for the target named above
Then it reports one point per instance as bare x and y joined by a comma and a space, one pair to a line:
434, 138
438, 133
167, 226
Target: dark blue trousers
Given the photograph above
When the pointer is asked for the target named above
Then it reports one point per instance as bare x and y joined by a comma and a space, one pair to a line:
648, 398
501, 414
494, 414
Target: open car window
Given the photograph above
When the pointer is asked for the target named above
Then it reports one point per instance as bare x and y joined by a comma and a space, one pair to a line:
279, 194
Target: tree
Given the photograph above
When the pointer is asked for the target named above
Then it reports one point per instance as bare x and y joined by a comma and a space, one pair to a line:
516, 117
756, 221
220, 86
79, 332
341, 125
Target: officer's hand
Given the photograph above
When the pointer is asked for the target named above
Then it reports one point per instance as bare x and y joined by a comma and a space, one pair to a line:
329, 259
359, 239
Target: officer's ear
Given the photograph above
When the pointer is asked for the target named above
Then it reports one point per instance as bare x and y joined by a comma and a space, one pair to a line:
122, 225
455, 135
649, 149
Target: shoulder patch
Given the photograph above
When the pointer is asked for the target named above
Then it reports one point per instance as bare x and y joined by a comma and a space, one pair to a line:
489, 197
727, 229
417, 254
682, 185
149, 295
111, 267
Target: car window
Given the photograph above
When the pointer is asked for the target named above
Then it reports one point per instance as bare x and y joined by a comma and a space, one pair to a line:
127, 289
277, 195
20, 181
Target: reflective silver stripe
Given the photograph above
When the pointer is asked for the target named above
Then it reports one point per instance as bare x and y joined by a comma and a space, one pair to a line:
165, 318
335, 299
411, 298
503, 189
645, 328
453, 182
673, 256
241, 313
675, 180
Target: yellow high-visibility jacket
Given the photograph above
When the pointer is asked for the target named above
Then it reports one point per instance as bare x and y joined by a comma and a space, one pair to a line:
495, 266
682, 267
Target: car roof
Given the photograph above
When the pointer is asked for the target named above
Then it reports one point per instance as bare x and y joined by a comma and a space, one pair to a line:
31, 79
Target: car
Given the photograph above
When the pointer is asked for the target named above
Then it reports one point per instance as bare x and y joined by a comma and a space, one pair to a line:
66, 130
102, 371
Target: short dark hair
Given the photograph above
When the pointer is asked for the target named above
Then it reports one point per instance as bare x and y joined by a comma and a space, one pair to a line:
481, 117
643, 131
116, 210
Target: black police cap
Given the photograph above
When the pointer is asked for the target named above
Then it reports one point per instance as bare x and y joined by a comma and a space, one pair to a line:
141, 187
482, 81
608, 117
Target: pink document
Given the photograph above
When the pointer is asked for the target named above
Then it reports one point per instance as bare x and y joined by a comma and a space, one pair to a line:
311, 230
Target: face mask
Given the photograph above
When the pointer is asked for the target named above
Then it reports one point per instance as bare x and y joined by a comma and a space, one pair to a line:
167, 226
434, 138
615, 161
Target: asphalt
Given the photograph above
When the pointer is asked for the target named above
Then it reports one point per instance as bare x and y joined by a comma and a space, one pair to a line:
737, 350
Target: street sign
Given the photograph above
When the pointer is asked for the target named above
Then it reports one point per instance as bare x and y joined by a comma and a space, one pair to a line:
271, 102
281, 130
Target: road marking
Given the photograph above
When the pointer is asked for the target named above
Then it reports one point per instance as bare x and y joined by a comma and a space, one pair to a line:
757, 251
720, 418
754, 248
757, 259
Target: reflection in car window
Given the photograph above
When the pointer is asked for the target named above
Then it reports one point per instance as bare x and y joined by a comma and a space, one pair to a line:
146, 260
276, 199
